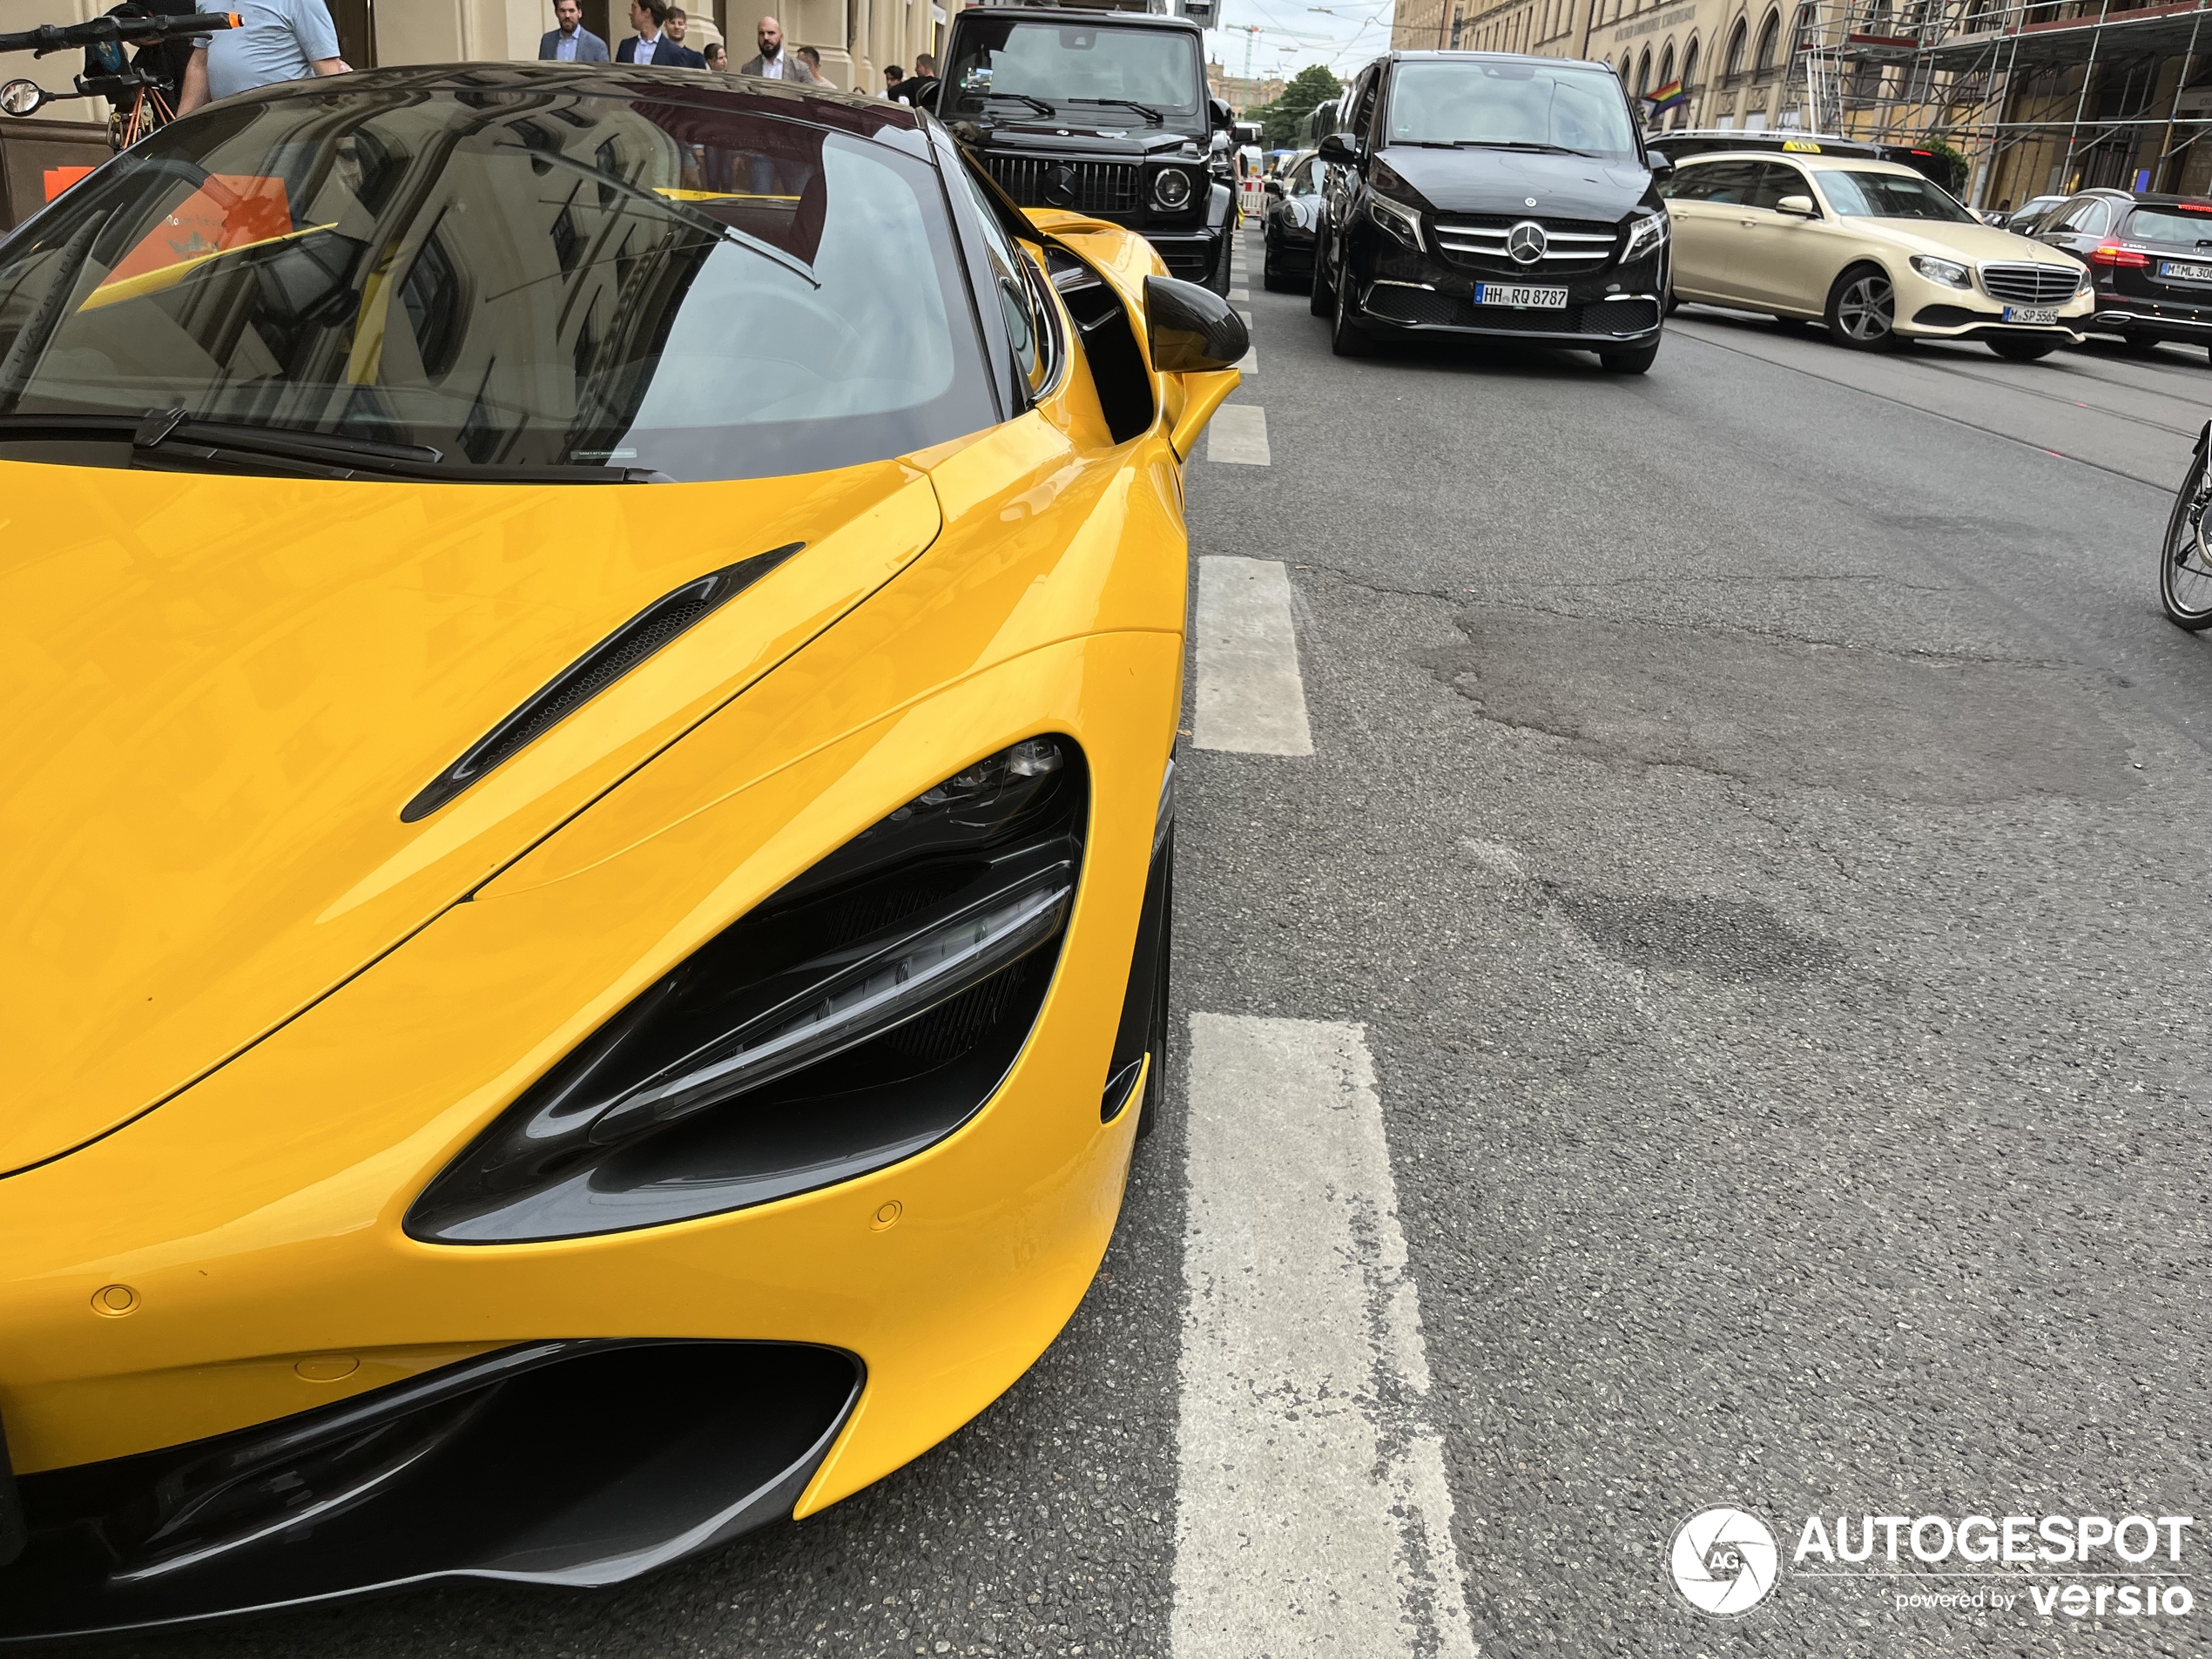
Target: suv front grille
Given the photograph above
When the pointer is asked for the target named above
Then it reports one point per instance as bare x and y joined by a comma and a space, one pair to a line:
2029, 285
1080, 186
1570, 245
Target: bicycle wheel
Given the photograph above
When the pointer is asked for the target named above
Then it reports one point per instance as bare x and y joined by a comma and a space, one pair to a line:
2185, 563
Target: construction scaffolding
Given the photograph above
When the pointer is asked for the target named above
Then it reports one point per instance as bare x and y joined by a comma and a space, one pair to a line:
2040, 95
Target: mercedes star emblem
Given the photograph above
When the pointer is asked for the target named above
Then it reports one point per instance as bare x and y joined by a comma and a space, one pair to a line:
1060, 190
1526, 242
1527, 201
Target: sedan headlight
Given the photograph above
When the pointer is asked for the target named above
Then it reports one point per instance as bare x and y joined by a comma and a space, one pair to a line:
1399, 219
1171, 188
859, 1014
2089, 282
1950, 273
1646, 236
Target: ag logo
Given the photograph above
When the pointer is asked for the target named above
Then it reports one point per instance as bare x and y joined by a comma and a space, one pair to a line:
1723, 1562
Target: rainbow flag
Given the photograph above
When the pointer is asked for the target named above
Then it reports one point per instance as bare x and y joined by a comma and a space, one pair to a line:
1666, 97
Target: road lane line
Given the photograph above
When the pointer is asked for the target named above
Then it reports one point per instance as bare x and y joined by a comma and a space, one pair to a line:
1238, 434
1312, 1519
1250, 699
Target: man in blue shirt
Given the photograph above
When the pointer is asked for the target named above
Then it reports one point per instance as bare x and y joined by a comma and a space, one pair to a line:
571, 43
278, 40
649, 46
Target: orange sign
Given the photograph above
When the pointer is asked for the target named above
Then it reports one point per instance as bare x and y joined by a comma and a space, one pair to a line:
229, 211
60, 178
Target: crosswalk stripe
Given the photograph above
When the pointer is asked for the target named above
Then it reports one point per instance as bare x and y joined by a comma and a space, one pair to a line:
1312, 1518
1251, 699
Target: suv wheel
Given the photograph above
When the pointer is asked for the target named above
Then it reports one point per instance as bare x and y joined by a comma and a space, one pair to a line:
1862, 309
1346, 337
1322, 295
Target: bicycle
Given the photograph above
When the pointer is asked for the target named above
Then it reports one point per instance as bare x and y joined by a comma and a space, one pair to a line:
2185, 563
143, 100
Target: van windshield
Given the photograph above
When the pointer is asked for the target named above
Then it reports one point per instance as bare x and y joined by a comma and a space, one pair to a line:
1003, 63
1509, 105
542, 278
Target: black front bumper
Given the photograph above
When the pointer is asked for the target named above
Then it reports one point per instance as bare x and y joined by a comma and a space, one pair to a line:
558, 1462
1618, 308
1192, 255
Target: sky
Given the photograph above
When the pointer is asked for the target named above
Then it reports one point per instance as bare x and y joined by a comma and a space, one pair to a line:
1342, 34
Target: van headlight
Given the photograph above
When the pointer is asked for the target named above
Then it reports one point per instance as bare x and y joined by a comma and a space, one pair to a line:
1949, 272
1399, 219
1646, 236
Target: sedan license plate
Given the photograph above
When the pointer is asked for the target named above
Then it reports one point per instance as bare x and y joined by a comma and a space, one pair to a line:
1507, 293
2030, 313
2184, 273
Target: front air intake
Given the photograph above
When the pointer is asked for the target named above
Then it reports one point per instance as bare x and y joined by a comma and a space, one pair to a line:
605, 662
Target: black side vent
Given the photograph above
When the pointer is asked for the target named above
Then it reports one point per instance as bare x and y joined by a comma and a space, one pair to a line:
605, 662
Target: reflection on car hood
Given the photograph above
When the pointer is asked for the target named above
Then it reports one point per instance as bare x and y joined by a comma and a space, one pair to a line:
1109, 141
220, 692
1975, 244
1502, 181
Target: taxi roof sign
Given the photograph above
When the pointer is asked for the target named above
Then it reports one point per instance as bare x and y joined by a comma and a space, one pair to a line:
1801, 146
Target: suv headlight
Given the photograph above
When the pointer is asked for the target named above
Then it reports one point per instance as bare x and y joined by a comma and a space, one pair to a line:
1950, 273
1646, 235
862, 1012
1398, 218
1171, 188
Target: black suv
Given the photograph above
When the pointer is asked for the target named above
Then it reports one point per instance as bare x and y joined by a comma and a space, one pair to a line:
1489, 194
2152, 260
1098, 112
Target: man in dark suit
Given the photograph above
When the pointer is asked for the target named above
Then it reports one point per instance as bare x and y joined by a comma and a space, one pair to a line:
773, 63
571, 43
649, 46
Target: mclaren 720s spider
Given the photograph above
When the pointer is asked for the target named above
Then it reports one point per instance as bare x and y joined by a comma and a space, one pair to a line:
591, 669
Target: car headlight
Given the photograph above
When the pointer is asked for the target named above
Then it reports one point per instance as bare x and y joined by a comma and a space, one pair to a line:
1171, 188
1950, 273
1399, 219
1646, 235
2089, 282
860, 1014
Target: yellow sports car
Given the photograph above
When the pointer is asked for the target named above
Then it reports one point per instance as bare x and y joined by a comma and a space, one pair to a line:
591, 669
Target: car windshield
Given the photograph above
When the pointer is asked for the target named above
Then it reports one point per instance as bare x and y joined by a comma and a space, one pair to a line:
1513, 105
539, 277
2170, 227
1891, 195
1002, 61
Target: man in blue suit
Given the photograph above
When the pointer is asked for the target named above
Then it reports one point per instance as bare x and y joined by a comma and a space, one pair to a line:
571, 43
649, 46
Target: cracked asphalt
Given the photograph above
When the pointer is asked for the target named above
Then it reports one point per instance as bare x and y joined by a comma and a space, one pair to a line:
1758, 816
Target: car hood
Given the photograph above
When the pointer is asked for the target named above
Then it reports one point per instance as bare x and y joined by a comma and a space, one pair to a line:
220, 691
1505, 181
1974, 244
1104, 139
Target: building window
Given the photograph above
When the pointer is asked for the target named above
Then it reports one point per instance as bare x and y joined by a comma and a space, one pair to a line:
1732, 65
1643, 72
1769, 41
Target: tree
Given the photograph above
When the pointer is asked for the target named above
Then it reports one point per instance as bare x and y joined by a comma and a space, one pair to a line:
1283, 122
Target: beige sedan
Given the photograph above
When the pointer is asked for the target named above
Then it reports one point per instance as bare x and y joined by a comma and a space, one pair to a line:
1872, 249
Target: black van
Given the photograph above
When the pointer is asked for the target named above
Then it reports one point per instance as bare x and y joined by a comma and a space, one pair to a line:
1490, 193
1100, 112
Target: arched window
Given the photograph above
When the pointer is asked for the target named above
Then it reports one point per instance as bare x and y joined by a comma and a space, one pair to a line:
1732, 65
1769, 41
1665, 65
1802, 36
1624, 68
1643, 72
1690, 66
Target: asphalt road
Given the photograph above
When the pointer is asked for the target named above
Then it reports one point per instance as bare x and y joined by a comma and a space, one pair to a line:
1756, 820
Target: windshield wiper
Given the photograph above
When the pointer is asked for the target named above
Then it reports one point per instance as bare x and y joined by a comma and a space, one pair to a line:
175, 440
1529, 144
687, 214
1036, 104
1144, 109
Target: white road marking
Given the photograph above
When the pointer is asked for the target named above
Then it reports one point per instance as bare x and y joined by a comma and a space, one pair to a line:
1235, 294
1249, 363
1250, 699
1313, 1521
1238, 434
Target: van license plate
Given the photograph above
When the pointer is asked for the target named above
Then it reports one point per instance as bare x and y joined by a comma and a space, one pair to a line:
2030, 313
1504, 294
2182, 273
